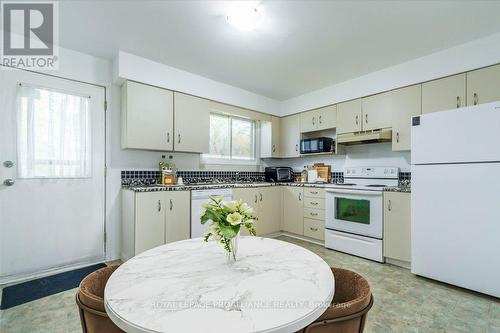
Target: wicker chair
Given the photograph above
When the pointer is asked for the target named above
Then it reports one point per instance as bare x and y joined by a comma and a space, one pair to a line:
351, 302
90, 300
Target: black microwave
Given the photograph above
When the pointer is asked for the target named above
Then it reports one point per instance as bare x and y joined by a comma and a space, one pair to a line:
317, 145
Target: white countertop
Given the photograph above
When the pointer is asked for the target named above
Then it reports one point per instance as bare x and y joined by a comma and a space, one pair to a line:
187, 286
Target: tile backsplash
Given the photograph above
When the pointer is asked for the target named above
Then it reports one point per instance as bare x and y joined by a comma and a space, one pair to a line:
189, 177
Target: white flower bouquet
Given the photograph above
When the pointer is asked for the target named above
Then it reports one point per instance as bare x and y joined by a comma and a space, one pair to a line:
227, 218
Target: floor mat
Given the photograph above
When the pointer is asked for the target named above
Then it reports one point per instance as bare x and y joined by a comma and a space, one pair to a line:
31, 290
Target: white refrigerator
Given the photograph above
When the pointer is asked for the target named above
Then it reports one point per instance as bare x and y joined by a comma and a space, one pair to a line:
455, 201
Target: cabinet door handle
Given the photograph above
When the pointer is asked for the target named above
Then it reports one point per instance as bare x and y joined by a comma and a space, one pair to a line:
159, 205
357, 119
168, 137
313, 122
300, 196
366, 118
314, 203
389, 205
256, 198
296, 147
260, 196
313, 229
313, 214
274, 148
171, 204
476, 99
320, 121
313, 192
458, 102
397, 136
179, 138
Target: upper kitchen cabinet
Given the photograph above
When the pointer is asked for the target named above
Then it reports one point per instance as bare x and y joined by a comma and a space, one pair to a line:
191, 123
349, 116
406, 103
376, 111
327, 117
270, 145
308, 121
290, 136
147, 117
444, 94
319, 119
483, 85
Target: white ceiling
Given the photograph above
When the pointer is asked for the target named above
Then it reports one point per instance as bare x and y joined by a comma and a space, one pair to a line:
300, 47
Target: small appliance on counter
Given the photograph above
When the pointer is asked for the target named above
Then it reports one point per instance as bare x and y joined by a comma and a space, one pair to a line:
167, 171
279, 174
317, 145
317, 173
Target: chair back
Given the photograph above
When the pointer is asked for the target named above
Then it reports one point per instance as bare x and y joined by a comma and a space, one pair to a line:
351, 302
90, 301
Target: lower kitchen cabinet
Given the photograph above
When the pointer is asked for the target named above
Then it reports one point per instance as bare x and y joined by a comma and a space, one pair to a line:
270, 203
250, 195
314, 213
150, 219
178, 215
397, 221
314, 228
266, 202
293, 210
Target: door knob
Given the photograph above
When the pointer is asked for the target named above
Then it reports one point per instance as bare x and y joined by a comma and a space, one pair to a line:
8, 182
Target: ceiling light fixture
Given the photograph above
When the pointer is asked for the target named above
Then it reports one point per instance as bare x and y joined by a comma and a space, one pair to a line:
244, 15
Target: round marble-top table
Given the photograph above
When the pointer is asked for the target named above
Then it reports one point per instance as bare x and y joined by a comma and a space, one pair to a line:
187, 286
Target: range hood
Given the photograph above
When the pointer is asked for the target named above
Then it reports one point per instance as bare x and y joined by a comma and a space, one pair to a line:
358, 138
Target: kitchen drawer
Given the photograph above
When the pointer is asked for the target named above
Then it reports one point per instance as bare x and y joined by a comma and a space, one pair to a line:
314, 192
317, 214
314, 229
316, 203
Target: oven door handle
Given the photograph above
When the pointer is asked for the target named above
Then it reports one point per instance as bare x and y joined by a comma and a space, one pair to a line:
337, 191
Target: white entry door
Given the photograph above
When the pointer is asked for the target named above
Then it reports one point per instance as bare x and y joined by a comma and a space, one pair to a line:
52, 185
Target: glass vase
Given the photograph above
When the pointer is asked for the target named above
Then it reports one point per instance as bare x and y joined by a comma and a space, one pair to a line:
231, 256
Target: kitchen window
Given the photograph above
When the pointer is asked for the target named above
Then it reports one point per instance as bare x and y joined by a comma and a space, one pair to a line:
53, 134
232, 139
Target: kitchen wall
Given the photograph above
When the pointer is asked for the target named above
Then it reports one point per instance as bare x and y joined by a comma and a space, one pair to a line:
82, 67
375, 154
472, 55
132, 67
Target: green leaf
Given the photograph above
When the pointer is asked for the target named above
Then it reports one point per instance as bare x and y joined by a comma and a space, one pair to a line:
229, 231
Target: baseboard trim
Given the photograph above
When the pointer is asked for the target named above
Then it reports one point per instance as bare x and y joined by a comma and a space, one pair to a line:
400, 263
304, 238
11, 279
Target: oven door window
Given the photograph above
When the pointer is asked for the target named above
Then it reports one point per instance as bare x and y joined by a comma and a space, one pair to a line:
283, 175
352, 210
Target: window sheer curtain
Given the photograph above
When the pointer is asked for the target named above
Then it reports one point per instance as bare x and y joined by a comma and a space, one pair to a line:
53, 134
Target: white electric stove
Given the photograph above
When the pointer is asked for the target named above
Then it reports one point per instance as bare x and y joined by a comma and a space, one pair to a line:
354, 211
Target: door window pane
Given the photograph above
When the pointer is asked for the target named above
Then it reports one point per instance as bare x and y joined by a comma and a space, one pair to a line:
219, 136
242, 139
352, 210
54, 139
